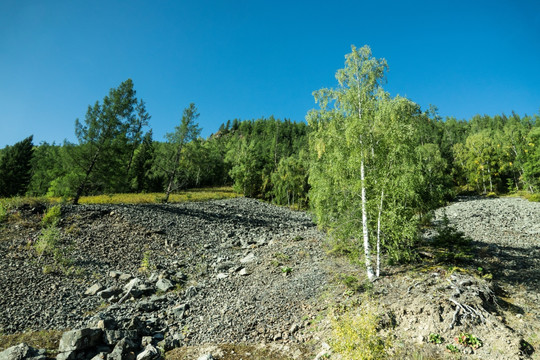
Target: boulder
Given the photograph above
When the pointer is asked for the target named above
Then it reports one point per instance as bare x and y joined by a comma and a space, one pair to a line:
22, 351
81, 339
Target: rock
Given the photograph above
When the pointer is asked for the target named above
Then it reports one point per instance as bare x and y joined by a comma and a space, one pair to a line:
92, 290
168, 344
206, 357
109, 292
124, 350
248, 258
100, 356
178, 311
22, 351
222, 276
146, 306
125, 277
243, 272
81, 339
111, 337
191, 291
164, 285
114, 274
149, 353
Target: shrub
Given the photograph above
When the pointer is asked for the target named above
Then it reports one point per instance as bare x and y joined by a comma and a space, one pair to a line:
355, 336
3, 214
52, 216
47, 242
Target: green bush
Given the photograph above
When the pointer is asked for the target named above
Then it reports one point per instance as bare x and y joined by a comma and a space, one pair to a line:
52, 216
47, 242
355, 336
3, 214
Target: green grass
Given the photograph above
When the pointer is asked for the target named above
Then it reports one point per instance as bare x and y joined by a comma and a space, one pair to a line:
199, 194
44, 339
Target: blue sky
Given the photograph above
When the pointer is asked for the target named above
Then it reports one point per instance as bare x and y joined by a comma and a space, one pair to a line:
249, 59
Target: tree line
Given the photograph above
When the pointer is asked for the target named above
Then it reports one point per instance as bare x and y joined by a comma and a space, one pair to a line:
369, 165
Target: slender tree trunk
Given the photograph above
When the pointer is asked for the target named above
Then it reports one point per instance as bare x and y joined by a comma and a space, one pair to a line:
367, 252
378, 271
173, 174
80, 189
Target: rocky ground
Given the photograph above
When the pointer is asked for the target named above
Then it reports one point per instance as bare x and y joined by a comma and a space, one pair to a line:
240, 271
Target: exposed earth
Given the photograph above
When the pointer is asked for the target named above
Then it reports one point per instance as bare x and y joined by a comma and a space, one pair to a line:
241, 279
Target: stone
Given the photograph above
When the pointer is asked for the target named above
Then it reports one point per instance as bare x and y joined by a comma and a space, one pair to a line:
100, 356
206, 357
146, 306
111, 337
222, 276
191, 291
164, 285
109, 292
124, 350
248, 258
81, 339
114, 274
178, 312
125, 277
149, 353
93, 290
168, 344
22, 351
243, 272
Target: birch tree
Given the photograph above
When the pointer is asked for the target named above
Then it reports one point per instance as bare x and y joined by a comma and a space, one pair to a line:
364, 172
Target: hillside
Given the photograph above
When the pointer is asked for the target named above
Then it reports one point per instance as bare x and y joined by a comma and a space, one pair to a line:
239, 276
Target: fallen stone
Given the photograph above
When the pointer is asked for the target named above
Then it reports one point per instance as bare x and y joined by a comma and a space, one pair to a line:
222, 276
124, 350
111, 337
164, 285
109, 292
243, 272
125, 277
149, 353
179, 311
93, 290
22, 351
81, 339
248, 258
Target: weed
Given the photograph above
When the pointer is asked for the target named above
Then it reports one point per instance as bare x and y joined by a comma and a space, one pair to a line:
48, 241
281, 257
52, 216
146, 265
286, 270
435, 338
452, 348
351, 282
3, 214
467, 339
355, 335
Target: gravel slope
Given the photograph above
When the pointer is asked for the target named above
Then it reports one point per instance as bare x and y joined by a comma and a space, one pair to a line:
252, 271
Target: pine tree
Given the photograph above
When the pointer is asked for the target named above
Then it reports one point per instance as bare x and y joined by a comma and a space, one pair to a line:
15, 168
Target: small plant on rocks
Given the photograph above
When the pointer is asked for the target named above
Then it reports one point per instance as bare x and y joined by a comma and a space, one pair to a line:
435, 338
452, 348
467, 339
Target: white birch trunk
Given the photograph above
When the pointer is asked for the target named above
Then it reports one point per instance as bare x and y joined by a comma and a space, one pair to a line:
367, 252
378, 270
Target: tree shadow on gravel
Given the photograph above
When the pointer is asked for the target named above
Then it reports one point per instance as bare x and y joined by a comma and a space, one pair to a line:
512, 265
234, 216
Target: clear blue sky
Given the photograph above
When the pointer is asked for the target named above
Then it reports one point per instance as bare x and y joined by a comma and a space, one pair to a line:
248, 59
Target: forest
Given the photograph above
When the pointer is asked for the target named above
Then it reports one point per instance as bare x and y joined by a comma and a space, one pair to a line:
368, 165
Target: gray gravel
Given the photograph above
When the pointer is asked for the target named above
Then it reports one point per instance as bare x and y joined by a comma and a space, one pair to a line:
253, 271
507, 228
